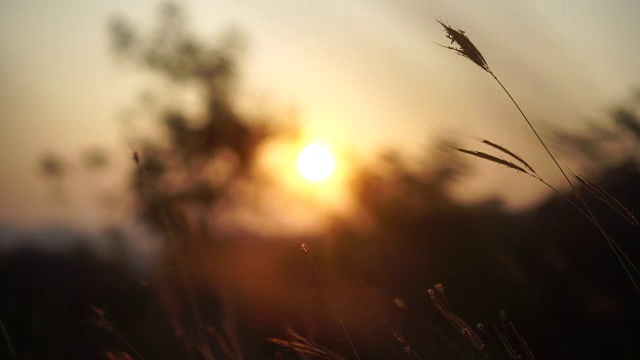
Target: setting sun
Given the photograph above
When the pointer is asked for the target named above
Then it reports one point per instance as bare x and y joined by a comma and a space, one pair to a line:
315, 163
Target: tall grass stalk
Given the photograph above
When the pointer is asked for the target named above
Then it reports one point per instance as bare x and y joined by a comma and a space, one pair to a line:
104, 323
305, 248
449, 341
400, 338
468, 50
302, 345
7, 340
621, 256
173, 240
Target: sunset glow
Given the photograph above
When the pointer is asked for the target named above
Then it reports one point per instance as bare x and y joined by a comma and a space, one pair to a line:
315, 163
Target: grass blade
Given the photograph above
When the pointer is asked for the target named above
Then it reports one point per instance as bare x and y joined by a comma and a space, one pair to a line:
508, 152
493, 159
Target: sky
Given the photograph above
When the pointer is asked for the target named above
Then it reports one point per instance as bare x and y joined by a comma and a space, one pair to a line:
367, 75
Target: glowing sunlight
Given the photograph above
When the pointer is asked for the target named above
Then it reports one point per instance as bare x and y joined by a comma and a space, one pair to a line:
315, 163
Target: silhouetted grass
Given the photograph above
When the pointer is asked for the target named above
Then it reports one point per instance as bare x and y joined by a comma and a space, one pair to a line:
186, 278
7, 340
468, 50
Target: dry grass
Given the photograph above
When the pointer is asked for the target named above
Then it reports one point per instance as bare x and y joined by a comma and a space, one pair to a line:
465, 46
203, 341
461, 326
305, 248
467, 49
7, 340
494, 159
508, 341
104, 323
602, 195
406, 347
508, 152
302, 345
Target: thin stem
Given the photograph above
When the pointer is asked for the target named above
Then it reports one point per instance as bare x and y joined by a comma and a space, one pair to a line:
614, 247
193, 302
619, 253
533, 129
7, 339
617, 250
126, 342
449, 341
344, 328
402, 341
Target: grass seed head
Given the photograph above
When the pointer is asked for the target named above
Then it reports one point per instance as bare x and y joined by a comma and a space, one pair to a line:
508, 152
494, 159
464, 46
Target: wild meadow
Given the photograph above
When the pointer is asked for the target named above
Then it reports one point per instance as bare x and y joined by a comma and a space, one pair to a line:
410, 272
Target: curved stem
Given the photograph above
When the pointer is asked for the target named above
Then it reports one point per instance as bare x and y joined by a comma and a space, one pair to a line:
186, 278
534, 130
618, 252
614, 246
326, 291
7, 340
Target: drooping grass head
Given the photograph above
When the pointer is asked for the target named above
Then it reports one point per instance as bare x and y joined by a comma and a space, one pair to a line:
464, 46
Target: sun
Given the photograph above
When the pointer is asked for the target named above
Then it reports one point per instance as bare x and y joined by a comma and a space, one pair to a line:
315, 163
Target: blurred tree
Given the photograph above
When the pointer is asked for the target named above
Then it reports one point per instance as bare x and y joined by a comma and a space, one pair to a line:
204, 155
54, 169
53, 166
414, 233
605, 145
95, 159
417, 234
201, 166
205, 164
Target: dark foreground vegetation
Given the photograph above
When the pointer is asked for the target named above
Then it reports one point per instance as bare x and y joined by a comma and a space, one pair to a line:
406, 276
546, 267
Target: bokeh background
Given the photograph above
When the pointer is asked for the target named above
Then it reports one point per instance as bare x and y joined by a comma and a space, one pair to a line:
103, 257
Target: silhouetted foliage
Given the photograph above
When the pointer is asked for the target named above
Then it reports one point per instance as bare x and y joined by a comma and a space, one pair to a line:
414, 235
545, 265
52, 166
220, 142
47, 302
95, 159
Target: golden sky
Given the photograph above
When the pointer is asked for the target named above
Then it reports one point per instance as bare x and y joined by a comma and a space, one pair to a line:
364, 73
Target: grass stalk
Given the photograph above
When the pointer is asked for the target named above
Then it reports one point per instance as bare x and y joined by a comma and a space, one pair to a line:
533, 129
400, 338
468, 50
305, 248
302, 345
618, 252
191, 297
7, 340
107, 325
450, 342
